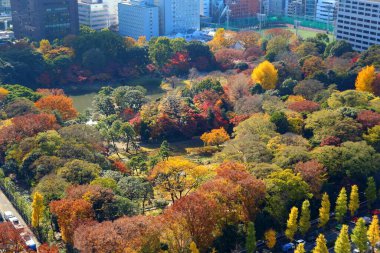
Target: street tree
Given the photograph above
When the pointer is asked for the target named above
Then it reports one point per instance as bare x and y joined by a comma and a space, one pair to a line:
251, 238
373, 232
354, 200
359, 235
370, 191
324, 210
342, 244
300, 248
304, 222
291, 225
321, 245
341, 205
270, 238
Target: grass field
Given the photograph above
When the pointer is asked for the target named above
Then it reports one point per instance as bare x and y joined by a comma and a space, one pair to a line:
305, 33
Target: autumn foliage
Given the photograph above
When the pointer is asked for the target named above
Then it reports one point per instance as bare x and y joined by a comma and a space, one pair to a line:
70, 214
26, 126
304, 106
215, 137
365, 79
266, 75
128, 234
59, 103
368, 118
10, 239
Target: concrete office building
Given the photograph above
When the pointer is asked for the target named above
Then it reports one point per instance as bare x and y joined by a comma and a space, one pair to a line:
5, 7
245, 8
310, 9
358, 22
295, 8
326, 11
178, 16
274, 7
138, 18
44, 19
205, 8
94, 14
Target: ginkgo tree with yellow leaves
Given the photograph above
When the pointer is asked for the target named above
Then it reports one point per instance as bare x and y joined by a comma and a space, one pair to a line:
178, 176
37, 209
366, 79
266, 75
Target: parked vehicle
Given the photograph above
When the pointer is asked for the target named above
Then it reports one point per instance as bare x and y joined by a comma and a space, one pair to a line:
8, 215
367, 220
16, 223
300, 241
28, 241
289, 247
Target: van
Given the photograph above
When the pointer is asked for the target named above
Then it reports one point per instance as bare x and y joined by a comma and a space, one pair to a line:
8, 215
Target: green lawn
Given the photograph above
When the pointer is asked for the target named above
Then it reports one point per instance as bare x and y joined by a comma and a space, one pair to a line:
308, 34
304, 33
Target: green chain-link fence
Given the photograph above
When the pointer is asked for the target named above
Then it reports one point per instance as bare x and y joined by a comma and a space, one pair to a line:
271, 21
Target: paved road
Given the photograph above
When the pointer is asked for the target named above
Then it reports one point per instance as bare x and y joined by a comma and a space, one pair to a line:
6, 205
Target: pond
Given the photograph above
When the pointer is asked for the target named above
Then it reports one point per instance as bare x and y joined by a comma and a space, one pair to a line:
83, 97
83, 102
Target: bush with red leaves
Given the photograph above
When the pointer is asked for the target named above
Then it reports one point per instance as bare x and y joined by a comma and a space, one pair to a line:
304, 106
368, 118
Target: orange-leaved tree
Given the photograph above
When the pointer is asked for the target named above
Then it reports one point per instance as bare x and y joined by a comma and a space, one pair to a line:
266, 75
215, 137
366, 79
3, 93
70, 214
62, 104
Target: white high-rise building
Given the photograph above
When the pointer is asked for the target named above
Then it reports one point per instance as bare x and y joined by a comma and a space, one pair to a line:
138, 18
358, 22
94, 14
326, 10
178, 16
113, 11
205, 6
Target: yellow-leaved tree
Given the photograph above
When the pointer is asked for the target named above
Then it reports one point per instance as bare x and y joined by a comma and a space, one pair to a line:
366, 78
373, 232
353, 206
37, 209
324, 211
178, 176
193, 248
300, 248
44, 46
270, 238
321, 246
3, 93
215, 137
291, 225
266, 75
222, 38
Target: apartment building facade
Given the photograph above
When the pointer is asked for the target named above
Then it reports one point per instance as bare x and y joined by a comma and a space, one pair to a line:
358, 22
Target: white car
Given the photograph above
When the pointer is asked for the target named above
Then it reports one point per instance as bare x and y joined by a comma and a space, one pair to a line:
8, 215
16, 223
28, 241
